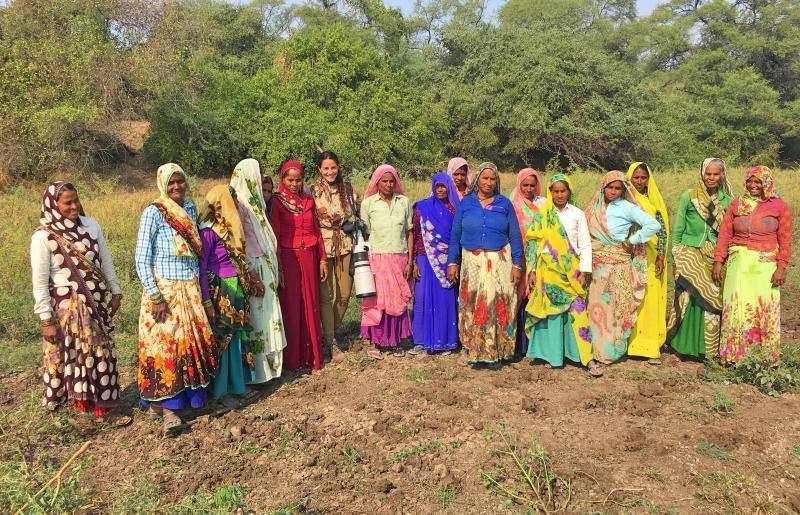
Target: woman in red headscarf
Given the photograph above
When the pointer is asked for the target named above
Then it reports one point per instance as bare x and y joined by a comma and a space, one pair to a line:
301, 253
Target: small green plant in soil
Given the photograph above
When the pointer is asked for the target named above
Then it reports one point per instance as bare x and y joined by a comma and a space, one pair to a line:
445, 495
714, 451
722, 403
419, 450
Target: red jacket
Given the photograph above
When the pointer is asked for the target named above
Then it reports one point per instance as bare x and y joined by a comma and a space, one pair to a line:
768, 228
297, 231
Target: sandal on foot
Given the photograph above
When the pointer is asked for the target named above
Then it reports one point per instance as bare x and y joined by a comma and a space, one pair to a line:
654, 361
172, 423
250, 395
595, 368
398, 352
155, 412
374, 353
417, 350
446, 353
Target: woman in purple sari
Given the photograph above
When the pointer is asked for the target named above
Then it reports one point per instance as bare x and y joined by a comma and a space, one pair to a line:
435, 323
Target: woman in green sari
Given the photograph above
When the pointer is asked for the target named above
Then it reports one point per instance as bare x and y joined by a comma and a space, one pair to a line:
694, 324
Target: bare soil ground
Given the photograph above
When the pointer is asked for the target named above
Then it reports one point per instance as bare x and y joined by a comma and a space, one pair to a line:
414, 434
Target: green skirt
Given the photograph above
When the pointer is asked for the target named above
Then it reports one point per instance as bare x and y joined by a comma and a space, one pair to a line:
553, 339
231, 329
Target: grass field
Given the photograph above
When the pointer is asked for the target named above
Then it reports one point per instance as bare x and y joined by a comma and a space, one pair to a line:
31, 442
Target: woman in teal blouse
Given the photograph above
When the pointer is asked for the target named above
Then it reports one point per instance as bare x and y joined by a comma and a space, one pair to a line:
694, 325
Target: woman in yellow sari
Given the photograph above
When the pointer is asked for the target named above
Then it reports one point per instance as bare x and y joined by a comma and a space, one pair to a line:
650, 330
558, 325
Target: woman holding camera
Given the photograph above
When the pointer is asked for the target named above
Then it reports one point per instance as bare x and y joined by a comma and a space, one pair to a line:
336, 204
387, 215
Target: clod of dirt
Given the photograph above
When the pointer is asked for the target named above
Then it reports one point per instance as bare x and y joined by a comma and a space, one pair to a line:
397, 468
440, 470
310, 461
383, 486
635, 440
650, 389
237, 432
529, 405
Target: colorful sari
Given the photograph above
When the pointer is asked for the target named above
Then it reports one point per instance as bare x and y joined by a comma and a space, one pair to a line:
618, 279
266, 336
177, 357
558, 322
650, 331
435, 322
751, 313
81, 365
694, 323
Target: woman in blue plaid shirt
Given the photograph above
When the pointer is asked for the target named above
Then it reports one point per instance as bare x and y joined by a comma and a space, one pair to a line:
177, 352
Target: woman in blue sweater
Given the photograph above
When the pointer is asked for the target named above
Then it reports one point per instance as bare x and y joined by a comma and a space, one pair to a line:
486, 248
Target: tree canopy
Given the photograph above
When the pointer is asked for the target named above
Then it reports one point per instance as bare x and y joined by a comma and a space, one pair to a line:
574, 83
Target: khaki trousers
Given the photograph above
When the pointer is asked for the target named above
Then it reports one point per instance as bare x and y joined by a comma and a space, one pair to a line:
334, 296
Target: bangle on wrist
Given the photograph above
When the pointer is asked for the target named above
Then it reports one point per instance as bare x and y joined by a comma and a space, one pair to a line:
157, 298
208, 304
47, 322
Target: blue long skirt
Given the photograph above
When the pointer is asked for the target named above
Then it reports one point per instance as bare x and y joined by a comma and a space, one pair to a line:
435, 323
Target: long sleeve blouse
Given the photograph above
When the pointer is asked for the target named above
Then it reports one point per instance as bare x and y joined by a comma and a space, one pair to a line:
622, 214
416, 230
769, 227
213, 258
299, 231
690, 228
574, 221
46, 272
154, 252
485, 228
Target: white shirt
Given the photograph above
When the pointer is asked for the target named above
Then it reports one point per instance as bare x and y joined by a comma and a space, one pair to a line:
577, 229
47, 272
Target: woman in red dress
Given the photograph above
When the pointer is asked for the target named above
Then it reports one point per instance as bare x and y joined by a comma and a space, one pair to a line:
301, 253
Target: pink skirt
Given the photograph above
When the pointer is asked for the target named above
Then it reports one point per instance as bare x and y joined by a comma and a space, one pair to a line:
384, 317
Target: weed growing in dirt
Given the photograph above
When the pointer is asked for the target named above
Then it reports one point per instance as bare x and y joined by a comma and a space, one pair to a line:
736, 493
350, 456
455, 444
445, 495
722, 403
795, 451
754, 369
526, 477
294, 507
227, 499
714, 451
419, 450
656, 475
418, 375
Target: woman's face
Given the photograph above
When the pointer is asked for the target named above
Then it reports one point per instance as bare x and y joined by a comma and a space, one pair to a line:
329, 170
176, 188
441, 192
386, 185
266, 190
487, 183
639, 179
754, 187
293, 180
528, 187
613, 191
711, 176
560, 194
460, 177
69, 205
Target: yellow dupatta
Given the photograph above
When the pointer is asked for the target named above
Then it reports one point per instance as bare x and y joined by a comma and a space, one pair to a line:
219, 213
652, 202
557, 289
186, 238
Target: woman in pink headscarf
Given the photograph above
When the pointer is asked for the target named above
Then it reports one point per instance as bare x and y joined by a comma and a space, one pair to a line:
462, 176
526, 199
304, 265
387, 215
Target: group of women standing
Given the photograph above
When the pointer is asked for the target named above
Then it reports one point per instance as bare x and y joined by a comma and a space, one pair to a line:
255, 282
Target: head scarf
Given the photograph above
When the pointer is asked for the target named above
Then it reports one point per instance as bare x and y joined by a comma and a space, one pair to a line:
75, 250
379, 172
651, 201
525, 208
707, 204
456, 163
596, 210
483, 167
560, 177
186, 239
747, 202
246, 182
436, 221
296, 203
218, 212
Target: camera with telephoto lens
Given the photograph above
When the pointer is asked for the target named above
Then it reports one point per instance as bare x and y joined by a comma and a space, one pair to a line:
363, 280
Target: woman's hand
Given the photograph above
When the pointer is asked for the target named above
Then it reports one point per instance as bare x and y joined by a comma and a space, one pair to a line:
583, 279
628, 246
531, 280
210, 314
452, 273
417, 273
779, 277
660, 260
49, 333
255, 283
408, 271
113, 306
323, 271
516, 275
717, 273
280, 278
160, 311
